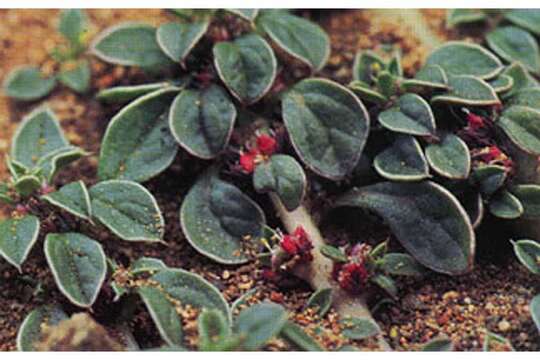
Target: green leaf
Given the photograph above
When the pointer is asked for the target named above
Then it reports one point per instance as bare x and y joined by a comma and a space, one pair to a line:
394, 65
77, 79
247, 66
425, 217
502, 83
502, 343
130, 44
386, 283
535, 310
402, 161
462, 58
138, 144
333, 253
295, 335
430, 77
176, 286
522, 78
123, 94
284, 176
321, 300
402, 264
450, 157
526, 18
260, 323
365, 93
31, 328
16, 169
78, 265
213, 329
529, 97
505, 205
26, 185
38, 135
243, 300
27, 84
17, 236
473, 204
489, 178
128, 210
367, 66
357, 328
177, 40
5, 195
387, 84
456, 17
298, 37
468, 90
441, 343
219, 221
72, 25
51, 163
73, 198
202, 121
529, 196
528, 253
514, 44
329, 147
522, 125
411, 115
247, 14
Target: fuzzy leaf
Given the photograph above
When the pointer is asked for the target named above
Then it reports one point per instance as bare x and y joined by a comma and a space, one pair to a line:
128, 210
529, 196
462, 58
73, 198
284, 176
455, 17
328, 126
402, 264
130, 44
333, 253
502, 83
387, 84
526, 18
321, 300
298, 37
528, 253
17, 236
296, 336
411, 115
357, 328
529, 97
441, 343
514, 44
123, 94
521, 78
184, 288
247, 66
78, 265
450, 157
489, 178
202, 121
78, 78
505, 205
473, 204
522, 125
213, 330
5, 195
177, 40
27, 84
501, 342
386, 283
430, 77
367, 66
72, 25
426, 218
217, 218
26, 185
402, 161
394, 65
247, 14
138, 144
51, 163
468, 90
365, 93
259, 323
31, 328
535, 310
243, 300
16, 169
147, 264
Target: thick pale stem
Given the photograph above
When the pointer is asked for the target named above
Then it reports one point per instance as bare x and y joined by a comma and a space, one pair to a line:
318, 272
528, 168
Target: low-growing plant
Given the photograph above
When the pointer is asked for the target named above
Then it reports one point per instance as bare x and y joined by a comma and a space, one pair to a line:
72, 69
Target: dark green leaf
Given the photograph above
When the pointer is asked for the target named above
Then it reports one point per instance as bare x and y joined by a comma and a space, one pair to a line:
402, 264
450, 157
177, 40
321, 301
499, 341
441, 343
529, 97
359, 328
73, 198
402, 161
489, 178
430, 77
52, 162
501, 84
260, 323
31, 328
522, 78
122, 94
514, 44
505, 205
78, 78
526, 18
386, 283
535, 310
455, 17
27, 84
528, 253
295, 335
468, 90
522, 125
248, 14
365, 93
147, 264
333, 253
411, 115
17, 236
26, 185
367, 66
529, 196
213, 329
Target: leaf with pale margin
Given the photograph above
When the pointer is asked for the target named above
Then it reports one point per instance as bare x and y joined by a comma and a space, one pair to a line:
295, 335
333, 253
501, 84
489, 178
51, 163
28, 84
31, 328
535, 310
450, 157
328, 126
202, 121
402, 161
26, 185
526, 18
147, 264
430, 77
218, 219
514, 44
529, 97
123, 94
386, 283
441, 343
357, 328
410, 115
73, 198
321, 301
247, 14
260, 323
455, 17
504, 205
522, 125
425, 217
78, 78
214, 331
72, 25
177, 40
367, 66
365, 93
402, 264
522, 78
528, 253
128, 210
491, 338
138, 144
78, 265
17, 236
468, 90
529, 196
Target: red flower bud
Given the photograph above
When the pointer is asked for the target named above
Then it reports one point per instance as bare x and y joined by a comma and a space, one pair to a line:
297, 244
353, 277
288, 244
475, 122
266, 144
247, 160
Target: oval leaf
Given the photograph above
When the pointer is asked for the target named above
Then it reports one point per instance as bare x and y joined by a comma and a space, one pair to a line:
26, 185
501, 84
528, 253
450, 157
321, 301
27, 84
328, 126
128, 210
122, 94
402, 161
535, 310
260, 323
522, 125
402, 264
456, 17
31, 328
462, 58
72, 25
295, 335
73, 198
77, 78
411, 115
365, 93
426, 218
514, 44
333, 253
468, 90
529, 97
298, 37
505, 205
51, 163
202, 121
441, 343
489, 178
17, 236
430, 77
284, 176
78, 265
529, 196
521, 78
367, 66
357, 328
138, 144
217, 220
176, 40
526, 18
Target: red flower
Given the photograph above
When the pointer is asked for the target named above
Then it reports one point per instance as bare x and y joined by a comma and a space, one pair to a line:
352, 277
297, 244
288, 244
493, 153
266, 144
475, 122
247, 160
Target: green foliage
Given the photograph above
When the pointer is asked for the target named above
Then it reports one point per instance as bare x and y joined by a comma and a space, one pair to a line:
528, 253
529, 197
17, 236
505, 205
259, 323
401, 264
177, 40
441, 343
295, 335
456, 17
411, 115
468, 90
489, 178
123, 94
526, 18
522, 125
514, 44
450, 157
73, 198
333, 253
32, 326
78, 78
495, 342
27, 84
535, 310
402, 161
359, 328
321, 300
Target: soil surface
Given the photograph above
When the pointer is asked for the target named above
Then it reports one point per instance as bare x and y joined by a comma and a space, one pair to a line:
493, 297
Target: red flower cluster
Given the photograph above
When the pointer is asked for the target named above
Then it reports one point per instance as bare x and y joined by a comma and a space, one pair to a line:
494, 155
353, 276
475, 122
297, 243
266, 146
